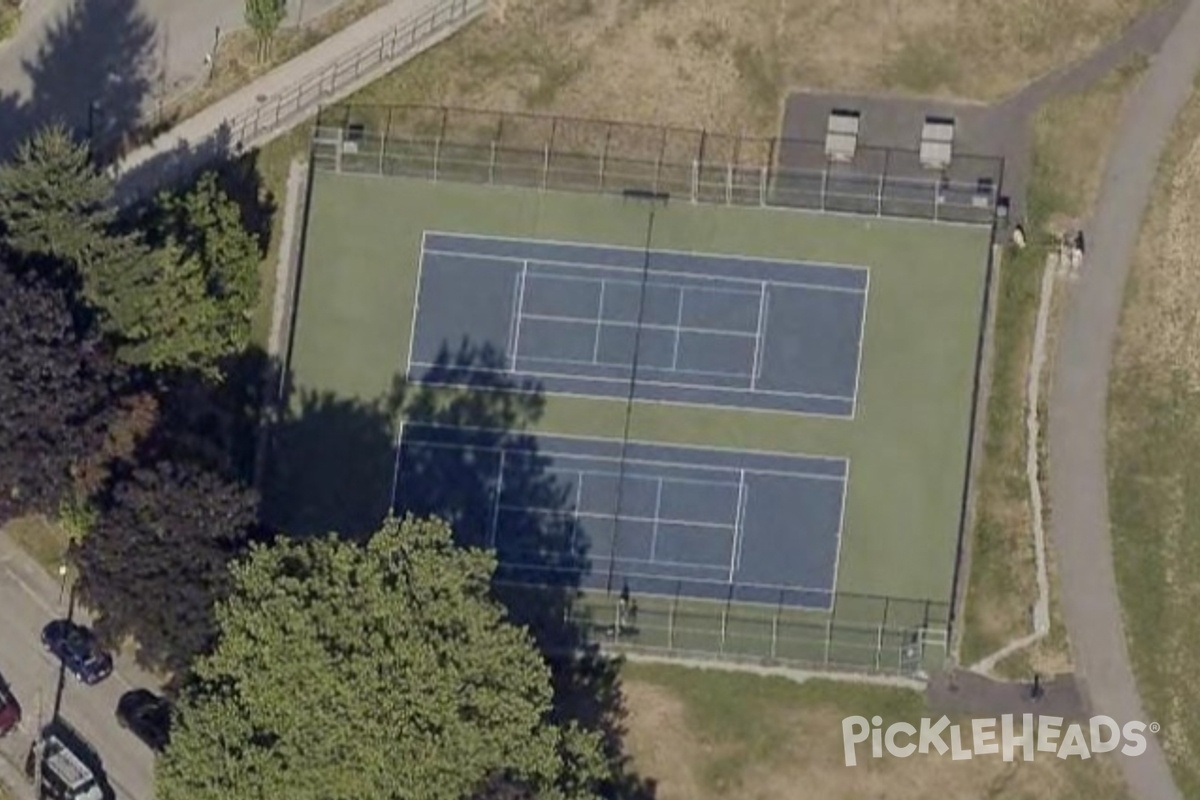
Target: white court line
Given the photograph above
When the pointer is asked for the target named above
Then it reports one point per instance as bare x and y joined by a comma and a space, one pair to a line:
651, 282
678, 332
598, 473
496, 503
648, 382
520, 306
678, 327
837, 555
672, 403
575, 516
700, 372
396, 467
862, 345
654, 529
758, 335
645, 442
698, 276
726, 256
599, 325
416, 307
735, 550
514, 319
559, 512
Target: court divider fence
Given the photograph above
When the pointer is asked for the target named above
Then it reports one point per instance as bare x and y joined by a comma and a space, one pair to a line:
867, 633
599, 156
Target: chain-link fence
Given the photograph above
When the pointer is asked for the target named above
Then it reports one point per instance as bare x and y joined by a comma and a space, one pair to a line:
859, 632
571, 154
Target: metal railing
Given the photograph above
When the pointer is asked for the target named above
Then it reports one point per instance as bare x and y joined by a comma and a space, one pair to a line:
562, 153
864, 633
306, 94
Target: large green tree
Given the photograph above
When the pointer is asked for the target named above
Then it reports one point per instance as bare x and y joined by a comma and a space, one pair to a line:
54, 204
179, 294
382, 670
264, 18
57, 395
157, 560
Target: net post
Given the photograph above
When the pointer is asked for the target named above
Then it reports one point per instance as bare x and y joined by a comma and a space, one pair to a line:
549, 148
662, 148
492, 165
775, 627
887, 154
671, 617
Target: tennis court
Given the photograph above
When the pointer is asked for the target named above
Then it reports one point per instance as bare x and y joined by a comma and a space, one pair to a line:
582, 319
600, 513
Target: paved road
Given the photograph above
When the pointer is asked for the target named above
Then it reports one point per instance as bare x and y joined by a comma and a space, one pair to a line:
1078, 400
128, 55
30, 598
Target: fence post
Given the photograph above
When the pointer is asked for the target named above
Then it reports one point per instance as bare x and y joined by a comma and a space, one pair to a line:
824, 184
337, 161
828, 637
729, 184
695, 180
879, 648
492, 165
545, 165
937, 191
762, 187
671, 620
775, 635
437, 154
604, 154
724, 622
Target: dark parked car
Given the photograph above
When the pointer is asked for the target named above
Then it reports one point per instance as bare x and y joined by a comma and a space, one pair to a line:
77, 648
147, 716
10, 709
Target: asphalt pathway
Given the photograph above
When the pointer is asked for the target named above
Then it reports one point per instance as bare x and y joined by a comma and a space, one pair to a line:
1079, 395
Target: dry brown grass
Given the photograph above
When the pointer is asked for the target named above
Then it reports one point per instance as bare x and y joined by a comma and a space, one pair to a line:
682, 739
1154, 437
727, 64
1072, 138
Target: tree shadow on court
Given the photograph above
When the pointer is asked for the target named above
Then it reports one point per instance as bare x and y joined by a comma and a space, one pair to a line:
333, 466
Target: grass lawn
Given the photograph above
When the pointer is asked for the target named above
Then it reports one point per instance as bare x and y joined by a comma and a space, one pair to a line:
705, 734
1154, 435
40, 538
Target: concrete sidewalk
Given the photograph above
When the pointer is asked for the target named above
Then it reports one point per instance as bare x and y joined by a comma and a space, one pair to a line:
291, 93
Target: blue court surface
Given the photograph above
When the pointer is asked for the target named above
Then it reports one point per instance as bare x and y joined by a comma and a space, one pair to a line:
660, 519
660, 325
